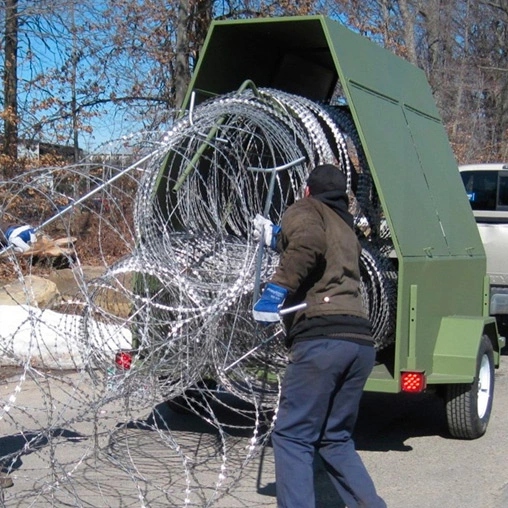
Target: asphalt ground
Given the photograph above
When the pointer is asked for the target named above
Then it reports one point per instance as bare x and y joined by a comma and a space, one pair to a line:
82, 452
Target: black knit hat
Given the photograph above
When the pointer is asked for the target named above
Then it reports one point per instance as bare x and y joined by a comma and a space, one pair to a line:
326, 177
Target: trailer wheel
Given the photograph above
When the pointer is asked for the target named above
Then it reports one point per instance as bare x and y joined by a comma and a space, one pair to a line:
468, 406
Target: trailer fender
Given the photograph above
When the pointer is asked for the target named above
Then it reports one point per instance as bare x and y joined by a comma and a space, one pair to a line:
457, 345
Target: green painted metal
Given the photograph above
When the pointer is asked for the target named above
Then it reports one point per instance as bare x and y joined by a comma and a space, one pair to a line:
441, 260
456, 349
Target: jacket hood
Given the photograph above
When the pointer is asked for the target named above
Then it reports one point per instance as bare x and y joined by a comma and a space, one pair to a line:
327, 183
339, 203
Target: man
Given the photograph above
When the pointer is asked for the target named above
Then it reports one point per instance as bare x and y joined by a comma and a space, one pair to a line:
20, 238
331, 348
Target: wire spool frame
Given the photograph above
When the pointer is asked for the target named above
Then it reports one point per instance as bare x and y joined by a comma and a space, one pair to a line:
193, 215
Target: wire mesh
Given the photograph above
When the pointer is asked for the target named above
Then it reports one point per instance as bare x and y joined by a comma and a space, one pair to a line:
169, 235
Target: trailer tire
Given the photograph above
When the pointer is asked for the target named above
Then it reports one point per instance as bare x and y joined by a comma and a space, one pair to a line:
468, 406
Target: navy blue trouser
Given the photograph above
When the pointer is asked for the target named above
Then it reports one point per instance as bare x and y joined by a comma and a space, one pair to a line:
320, 397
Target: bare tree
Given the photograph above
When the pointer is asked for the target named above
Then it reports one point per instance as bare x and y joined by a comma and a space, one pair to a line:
491, 58
461, 46
408, 17
182, 71
129, 62
51, 65
10, 113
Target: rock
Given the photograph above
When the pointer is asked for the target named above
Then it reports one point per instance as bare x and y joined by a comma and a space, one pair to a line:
70, 281
71, 285
115, 295
51, 340
33, 290
110, 295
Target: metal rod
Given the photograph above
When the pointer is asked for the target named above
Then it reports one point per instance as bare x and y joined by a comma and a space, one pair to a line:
211, 134
294, 308
94, 191
260, 252
86, 196
253, 350
279, 168
282, 312
191, 107
268, 203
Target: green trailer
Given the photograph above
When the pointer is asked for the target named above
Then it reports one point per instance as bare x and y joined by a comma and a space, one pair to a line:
444, 338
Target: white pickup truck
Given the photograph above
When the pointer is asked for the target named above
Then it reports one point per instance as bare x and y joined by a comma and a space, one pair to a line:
487, 188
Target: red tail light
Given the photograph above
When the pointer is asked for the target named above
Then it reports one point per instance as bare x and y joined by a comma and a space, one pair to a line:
413, 382
123, 360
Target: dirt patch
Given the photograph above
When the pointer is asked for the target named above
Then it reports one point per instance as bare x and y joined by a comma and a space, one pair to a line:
8, 371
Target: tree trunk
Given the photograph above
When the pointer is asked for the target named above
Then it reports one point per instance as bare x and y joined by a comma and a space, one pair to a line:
457, 118
409, 22
10, 145
74, 74
182, 71
194, 18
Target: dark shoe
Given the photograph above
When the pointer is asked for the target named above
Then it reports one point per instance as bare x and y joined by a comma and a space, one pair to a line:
5, 481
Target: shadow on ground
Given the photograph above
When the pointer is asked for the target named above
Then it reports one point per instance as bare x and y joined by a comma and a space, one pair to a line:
162, 455
385, 423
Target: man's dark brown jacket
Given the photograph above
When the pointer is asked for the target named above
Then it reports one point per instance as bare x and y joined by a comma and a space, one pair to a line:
319, 261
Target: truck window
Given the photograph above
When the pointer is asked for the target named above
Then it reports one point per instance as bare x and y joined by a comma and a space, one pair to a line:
503, 190
481, 189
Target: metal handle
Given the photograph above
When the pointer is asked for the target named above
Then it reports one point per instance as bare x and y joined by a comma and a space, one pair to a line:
294, 308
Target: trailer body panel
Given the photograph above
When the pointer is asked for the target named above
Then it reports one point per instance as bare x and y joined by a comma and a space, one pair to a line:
438, 251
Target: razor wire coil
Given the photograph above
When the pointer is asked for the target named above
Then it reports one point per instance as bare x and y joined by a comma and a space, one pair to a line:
177, 287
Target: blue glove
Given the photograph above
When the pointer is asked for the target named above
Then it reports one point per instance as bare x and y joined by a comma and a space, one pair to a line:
20, 237
265, 228
266, 309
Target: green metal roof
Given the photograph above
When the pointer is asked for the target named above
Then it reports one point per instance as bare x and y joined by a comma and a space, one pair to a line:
402, 134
